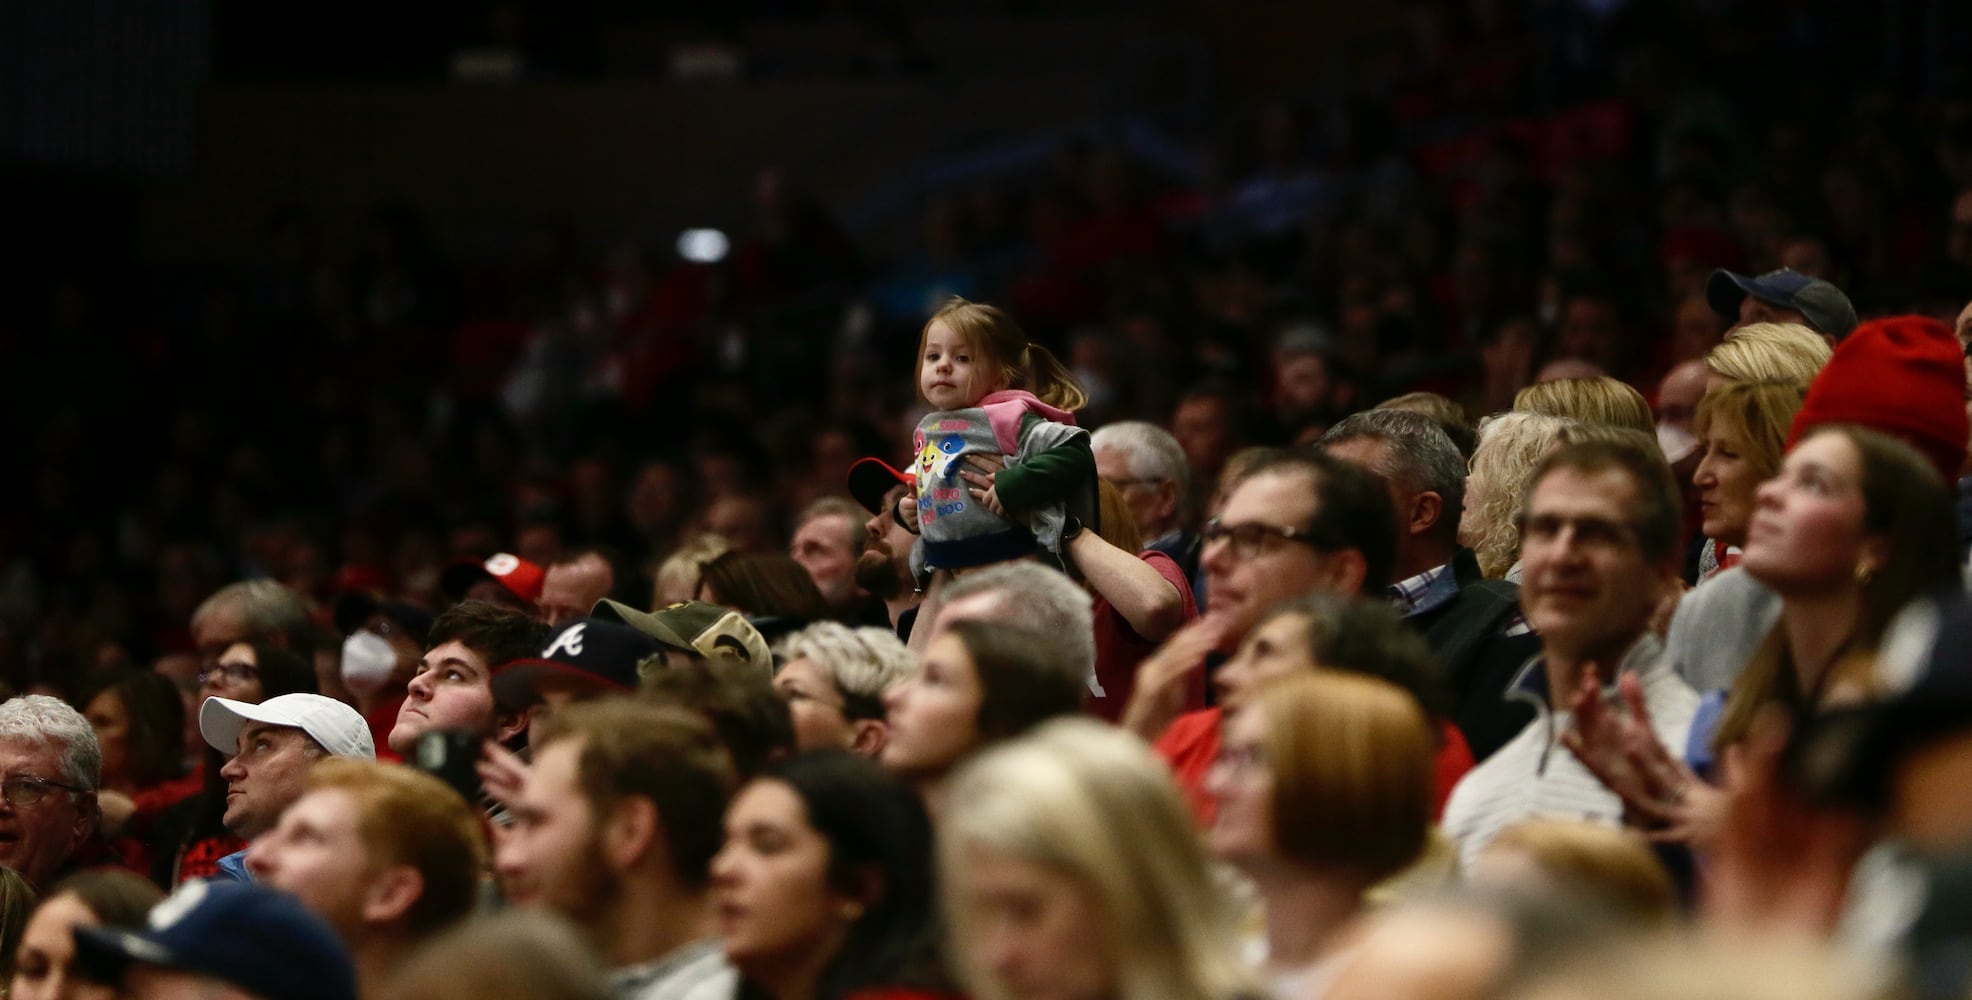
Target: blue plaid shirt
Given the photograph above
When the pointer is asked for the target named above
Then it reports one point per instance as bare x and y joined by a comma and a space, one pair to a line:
1429, 591
1426, 591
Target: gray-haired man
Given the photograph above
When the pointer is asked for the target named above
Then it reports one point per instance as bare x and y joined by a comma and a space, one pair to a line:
50, 765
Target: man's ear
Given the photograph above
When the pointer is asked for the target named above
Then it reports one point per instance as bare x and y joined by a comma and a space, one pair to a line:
1167, 500
88, 818
629, 832
1343, 571
391, 894
868, 737
1426, 509
506, 727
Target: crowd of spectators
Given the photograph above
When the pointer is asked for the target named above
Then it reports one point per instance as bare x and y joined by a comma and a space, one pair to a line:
1521, 526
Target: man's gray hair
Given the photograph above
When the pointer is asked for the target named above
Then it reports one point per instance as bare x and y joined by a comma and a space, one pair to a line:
37, 718
863, 662
1038, 599
1153, 452
1421, 454
268, 609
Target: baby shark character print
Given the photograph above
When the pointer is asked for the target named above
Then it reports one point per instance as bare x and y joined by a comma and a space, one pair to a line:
935, 460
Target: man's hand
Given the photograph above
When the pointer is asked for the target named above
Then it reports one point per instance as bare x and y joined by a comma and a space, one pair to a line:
1661, 796
984, 468
1159, 696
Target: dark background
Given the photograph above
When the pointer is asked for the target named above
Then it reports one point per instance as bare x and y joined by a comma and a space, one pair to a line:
337, 291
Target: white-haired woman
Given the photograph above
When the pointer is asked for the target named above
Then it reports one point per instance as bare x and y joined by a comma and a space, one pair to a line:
834, 682
1072, 871
1510, 446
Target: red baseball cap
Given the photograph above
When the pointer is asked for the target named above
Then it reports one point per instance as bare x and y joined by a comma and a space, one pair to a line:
871, 478
522, 578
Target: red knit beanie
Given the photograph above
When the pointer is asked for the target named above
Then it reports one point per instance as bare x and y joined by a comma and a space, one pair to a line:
1901, 375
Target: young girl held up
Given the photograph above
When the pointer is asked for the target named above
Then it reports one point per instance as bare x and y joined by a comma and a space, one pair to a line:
1000, 469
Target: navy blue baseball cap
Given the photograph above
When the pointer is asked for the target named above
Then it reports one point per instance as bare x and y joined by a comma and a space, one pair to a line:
595, 652
261, 940
354, 607
1825, 308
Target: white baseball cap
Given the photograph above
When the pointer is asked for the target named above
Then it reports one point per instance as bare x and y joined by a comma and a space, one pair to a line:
338, 728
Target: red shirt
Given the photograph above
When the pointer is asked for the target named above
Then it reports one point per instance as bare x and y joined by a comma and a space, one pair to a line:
382, 719
1120, 650
1191, 744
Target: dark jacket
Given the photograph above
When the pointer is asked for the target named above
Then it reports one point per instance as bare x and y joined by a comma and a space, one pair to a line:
1480, 661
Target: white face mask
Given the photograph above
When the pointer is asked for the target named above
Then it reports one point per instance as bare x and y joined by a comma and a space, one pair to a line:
367, 662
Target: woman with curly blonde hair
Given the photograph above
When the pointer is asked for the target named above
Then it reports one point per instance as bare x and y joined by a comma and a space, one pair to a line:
1510, 446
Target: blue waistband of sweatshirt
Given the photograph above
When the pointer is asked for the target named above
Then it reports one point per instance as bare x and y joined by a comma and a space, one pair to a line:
965, 553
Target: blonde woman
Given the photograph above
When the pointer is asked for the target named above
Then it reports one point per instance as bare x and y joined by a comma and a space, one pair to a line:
678, 576
1598, 400
1767, 352
1071, 870
1510, 446
1743, 428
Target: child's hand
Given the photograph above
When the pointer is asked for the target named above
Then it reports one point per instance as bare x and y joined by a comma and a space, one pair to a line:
907, 510
987, 466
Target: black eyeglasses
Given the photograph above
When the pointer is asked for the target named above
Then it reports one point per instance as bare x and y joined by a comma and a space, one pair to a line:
1253, 537
235, 672
26, 790
1589, 532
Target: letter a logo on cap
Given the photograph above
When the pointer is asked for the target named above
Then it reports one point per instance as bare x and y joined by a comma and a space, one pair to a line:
570, 642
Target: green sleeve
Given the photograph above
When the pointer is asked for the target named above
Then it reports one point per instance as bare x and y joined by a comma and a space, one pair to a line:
1049, 477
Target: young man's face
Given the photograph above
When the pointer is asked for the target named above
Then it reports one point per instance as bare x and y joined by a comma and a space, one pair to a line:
452, 690
551, 856
316, 853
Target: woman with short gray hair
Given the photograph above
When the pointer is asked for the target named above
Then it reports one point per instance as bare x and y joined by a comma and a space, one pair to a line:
834, 682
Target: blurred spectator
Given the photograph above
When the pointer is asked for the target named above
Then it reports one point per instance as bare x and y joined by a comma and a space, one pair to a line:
1591, 598
44, 964
1148, 466
609, 769
573, 585
828, 536
1474, 626
837, 681
387, 855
